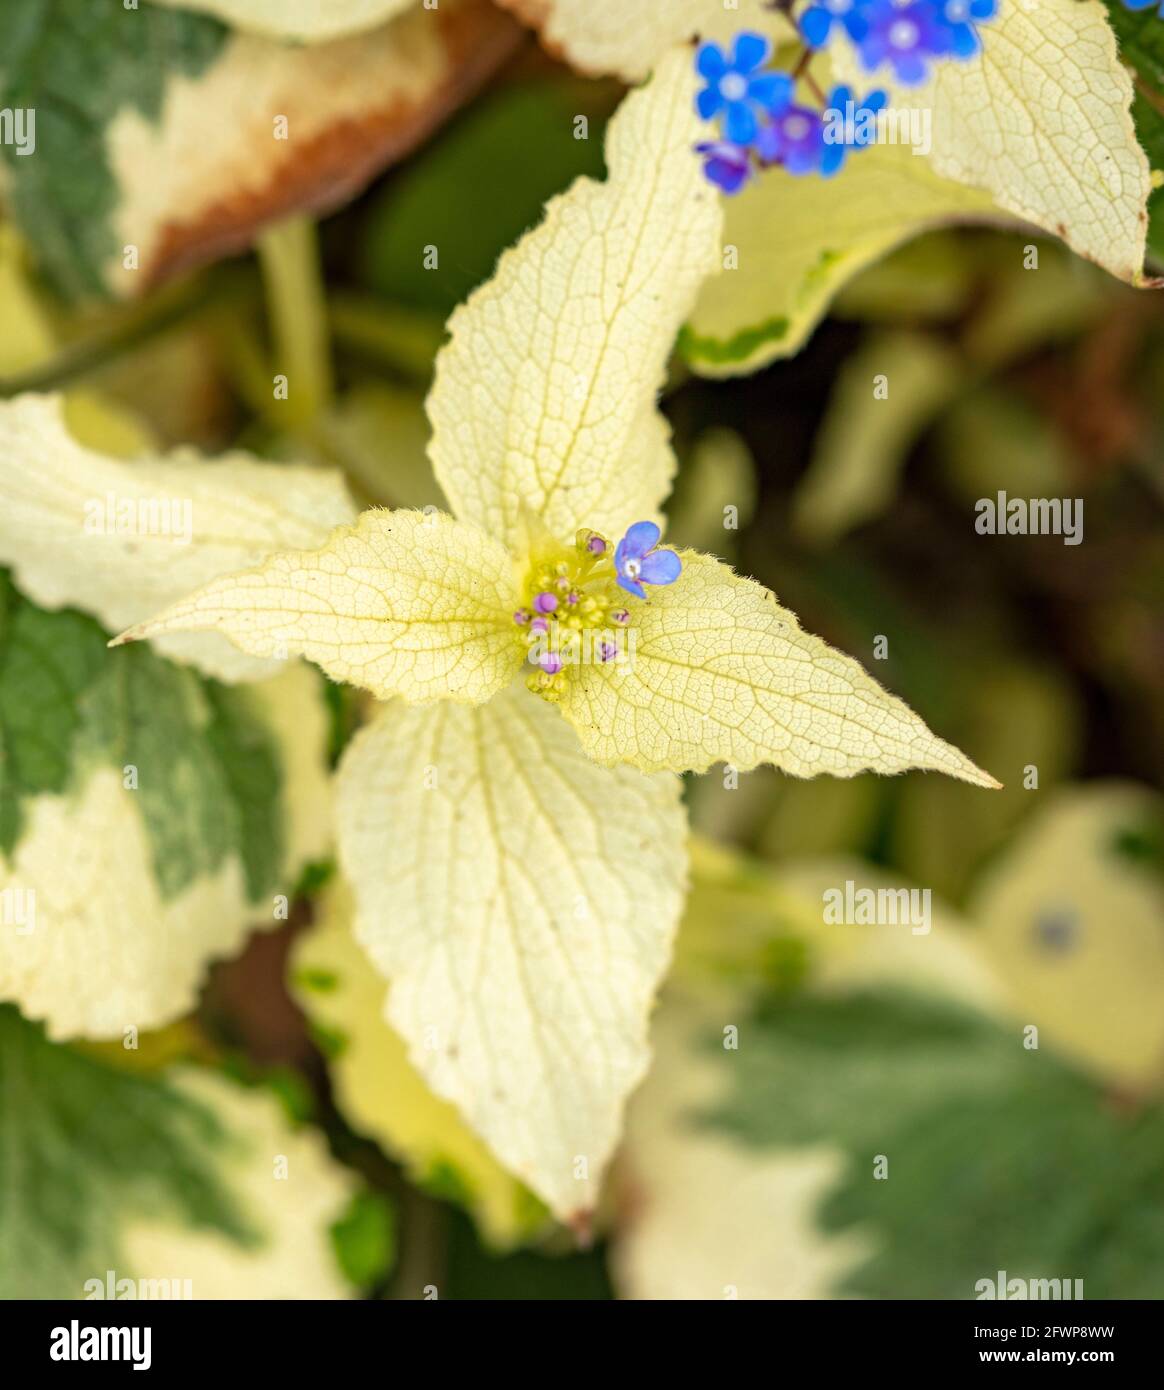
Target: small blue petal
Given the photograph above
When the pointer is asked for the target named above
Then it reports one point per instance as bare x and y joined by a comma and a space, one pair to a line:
815, 25
831, 160
773, 90
661, 567
750, 51
741, 125
711, 61
632, 586
709, 102
641, 537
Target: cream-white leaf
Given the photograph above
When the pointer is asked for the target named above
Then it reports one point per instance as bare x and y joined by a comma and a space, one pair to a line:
522, 904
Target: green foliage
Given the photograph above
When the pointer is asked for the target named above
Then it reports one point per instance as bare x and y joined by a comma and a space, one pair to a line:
520, 146
364, 1239
85, 1148
47, 660
995, 1153
78, 64
208, 772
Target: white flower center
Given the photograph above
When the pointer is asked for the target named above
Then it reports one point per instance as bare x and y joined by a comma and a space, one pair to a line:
903, 33
957, 11
838, 6
734, 87
632, 568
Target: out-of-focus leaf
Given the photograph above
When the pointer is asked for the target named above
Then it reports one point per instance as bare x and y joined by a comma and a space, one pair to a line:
599, 37
146, 820
380, 434
86, 1147
162, 131
365, 1239
524, 145
292, 1195
1032, 309
715, 495
706, 1217
1027, 716
886, 395
1073, 918
311, 21
991, 441
927, 279
993, 1152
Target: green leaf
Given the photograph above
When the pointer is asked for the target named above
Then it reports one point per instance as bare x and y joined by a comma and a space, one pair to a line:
994, 1152
208, 773
521, 146
46, 661
364, 1239
86, 1148
77, 65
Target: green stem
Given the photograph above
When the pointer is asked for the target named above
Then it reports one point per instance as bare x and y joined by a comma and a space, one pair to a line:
297, 308
125, 331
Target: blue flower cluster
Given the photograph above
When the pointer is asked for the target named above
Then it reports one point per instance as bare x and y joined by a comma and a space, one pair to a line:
906, 35
763, 124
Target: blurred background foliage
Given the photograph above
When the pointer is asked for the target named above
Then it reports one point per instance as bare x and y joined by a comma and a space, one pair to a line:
750, 1168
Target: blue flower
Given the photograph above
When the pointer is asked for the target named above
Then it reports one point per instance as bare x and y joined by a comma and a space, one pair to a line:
1144, 5
726, 165
737, 90
638, 562
848, 126
816, 23
960, 17
794, 139
906, 36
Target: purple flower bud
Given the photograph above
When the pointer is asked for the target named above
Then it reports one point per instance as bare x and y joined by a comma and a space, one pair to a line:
546, 602
596, 545
572, 597
551, 663
539, 625
521, 617
607, 651
620, 615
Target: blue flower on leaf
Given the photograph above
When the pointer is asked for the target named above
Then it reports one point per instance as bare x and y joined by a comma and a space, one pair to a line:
816, 23
737, 90
794, 139
960, 17
637, 562
848, 126
906, 36
726, 165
